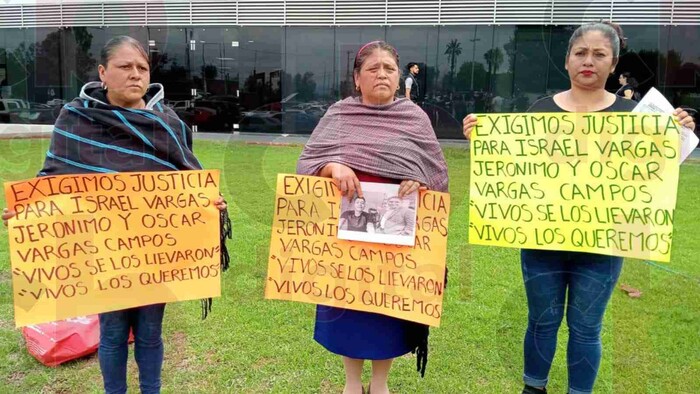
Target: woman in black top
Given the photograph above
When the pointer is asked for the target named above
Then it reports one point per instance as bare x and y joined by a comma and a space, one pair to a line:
578, 284
628, 87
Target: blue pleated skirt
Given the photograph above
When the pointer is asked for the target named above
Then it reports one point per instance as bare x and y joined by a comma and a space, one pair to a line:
364, 335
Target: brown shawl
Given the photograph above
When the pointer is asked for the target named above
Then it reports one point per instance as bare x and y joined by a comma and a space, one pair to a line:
393, 141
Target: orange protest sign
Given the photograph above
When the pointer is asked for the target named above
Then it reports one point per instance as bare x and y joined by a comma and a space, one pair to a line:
85, 244
308, 263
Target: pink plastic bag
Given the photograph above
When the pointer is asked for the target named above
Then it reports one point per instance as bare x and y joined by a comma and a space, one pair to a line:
57, 342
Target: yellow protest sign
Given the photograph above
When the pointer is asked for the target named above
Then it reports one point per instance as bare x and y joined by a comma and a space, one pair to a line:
590, 182
308, 263
84, 244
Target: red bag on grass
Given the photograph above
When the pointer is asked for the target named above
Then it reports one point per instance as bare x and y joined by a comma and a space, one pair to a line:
64, 340
60, 341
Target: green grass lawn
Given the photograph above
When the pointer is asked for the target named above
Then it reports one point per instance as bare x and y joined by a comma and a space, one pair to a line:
250, 345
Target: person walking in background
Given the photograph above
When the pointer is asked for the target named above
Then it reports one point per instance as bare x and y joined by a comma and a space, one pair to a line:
411, 83
576, 284
628, 87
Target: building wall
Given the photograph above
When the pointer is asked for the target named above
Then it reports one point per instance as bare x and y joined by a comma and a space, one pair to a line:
282, 79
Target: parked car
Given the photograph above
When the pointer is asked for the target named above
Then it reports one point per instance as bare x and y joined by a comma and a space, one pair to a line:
260, 122
4, 113
297, 122
21, 111
213, 113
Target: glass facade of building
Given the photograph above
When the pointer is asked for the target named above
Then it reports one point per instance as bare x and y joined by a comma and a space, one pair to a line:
282, 79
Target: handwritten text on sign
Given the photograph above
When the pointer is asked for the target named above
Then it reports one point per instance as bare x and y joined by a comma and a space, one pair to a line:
84, 244
308, 263
600, 182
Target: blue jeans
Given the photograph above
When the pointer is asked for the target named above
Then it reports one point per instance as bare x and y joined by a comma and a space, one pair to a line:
147, 323
589, 280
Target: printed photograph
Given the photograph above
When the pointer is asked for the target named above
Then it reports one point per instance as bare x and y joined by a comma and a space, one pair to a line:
380, 216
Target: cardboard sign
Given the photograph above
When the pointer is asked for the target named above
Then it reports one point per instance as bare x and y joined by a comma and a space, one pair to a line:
600, 182
85, 244
308, 263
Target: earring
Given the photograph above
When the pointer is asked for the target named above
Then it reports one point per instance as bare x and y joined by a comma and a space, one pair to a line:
104, 86
357, 87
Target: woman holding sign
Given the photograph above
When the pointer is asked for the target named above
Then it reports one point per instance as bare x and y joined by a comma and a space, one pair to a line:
578, 284
121, 125
375, 138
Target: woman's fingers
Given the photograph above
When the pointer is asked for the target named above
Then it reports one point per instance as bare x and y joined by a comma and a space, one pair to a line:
346, 180
7, 214
681, 114
336, 182
351, 188
358, 187
468, 124
684, 118
219, 203
402, 188
408, 187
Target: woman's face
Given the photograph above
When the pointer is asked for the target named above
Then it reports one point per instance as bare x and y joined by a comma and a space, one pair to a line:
622, 80
126, 76
590, 61
378, 78
359, 204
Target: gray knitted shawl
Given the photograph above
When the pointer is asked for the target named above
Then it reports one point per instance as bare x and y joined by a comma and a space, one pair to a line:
393, 141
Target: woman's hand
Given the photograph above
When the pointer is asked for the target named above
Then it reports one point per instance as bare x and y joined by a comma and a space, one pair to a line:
408, 186
467, 125
6, 215
220, 204
684, 118
344, 178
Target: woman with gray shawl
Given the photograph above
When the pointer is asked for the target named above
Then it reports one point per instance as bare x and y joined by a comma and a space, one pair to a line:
373, 138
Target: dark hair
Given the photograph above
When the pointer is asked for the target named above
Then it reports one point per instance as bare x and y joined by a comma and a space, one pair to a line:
367, 50
410, 65
359, 198
114, 43
611, 31
630, 79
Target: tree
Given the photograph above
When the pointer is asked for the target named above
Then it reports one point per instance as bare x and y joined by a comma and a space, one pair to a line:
305, 86
84, 62
209, 71
494, 59
454, 49
466, 77
511, 49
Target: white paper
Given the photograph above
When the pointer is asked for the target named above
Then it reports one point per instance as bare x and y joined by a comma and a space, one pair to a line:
386, 218
655, 102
